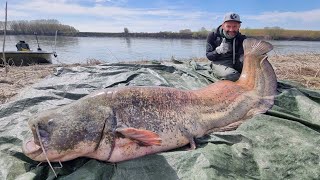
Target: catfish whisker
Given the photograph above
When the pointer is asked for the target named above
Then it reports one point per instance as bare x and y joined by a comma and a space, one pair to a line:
61, 166
39, 164
44, 152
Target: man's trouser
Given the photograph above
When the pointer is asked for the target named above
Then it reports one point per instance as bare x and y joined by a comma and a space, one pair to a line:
224, 72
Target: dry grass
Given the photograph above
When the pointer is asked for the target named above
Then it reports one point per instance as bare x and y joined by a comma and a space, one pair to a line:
19, 77
303, 69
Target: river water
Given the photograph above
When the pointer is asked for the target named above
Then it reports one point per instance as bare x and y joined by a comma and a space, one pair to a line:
115, 49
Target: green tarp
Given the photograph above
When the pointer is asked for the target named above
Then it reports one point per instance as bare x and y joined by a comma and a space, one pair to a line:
283, 143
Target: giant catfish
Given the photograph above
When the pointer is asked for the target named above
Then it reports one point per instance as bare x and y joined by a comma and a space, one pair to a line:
123, 123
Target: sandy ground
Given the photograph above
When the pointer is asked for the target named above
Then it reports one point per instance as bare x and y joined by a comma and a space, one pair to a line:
303, 69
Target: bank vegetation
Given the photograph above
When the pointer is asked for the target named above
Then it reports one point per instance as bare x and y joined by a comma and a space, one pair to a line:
41, 27
277, 33
268, 33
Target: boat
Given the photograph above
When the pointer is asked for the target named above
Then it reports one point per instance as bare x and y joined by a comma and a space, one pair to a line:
24, 56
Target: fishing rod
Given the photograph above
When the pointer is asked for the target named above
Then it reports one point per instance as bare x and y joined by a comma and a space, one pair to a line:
55, 44
39, 49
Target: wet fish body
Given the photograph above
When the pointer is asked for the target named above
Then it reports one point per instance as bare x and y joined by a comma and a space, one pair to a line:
128, 122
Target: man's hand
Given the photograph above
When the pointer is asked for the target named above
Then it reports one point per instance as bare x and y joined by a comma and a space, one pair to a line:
223, 48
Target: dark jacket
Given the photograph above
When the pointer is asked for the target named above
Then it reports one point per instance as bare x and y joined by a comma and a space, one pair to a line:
214, 40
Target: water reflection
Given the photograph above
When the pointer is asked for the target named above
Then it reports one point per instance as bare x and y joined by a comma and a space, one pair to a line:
63, 41
128, 41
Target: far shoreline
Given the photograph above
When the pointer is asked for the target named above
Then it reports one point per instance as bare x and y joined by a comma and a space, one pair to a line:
288, 35
51, 27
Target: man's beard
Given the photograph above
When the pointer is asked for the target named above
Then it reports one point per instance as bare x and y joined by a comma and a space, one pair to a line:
228, 35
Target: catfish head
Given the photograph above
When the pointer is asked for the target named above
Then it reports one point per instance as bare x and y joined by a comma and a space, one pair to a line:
67, 132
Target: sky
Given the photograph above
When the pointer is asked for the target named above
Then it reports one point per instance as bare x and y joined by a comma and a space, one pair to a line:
166, 15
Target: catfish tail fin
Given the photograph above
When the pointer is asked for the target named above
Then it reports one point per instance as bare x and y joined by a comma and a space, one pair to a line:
258, 74
256, 47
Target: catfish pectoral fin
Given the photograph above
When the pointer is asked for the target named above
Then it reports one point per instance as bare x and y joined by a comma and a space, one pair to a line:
193, 145
229, 127
145, 137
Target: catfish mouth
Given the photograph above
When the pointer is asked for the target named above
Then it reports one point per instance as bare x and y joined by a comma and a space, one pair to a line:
31, 148
39, 147
35, 149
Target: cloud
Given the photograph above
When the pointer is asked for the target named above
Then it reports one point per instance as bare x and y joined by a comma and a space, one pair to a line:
114, 15
58, 8
101, 1
108, 18
305, 16
141, 25
288, 20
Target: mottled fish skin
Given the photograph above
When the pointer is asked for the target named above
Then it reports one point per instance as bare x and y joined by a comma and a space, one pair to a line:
128, 122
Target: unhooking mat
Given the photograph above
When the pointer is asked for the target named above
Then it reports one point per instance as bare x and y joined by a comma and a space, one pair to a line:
283, 143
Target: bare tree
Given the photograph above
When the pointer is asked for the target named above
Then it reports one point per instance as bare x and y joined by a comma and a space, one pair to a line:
185, 31
42, 27
126, 30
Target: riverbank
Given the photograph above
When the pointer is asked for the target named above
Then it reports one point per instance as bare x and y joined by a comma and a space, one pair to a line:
266, 34
303, 69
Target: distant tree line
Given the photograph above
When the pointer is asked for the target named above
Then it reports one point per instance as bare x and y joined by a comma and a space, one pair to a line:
49, 27
41, 27
182, 34
268, 33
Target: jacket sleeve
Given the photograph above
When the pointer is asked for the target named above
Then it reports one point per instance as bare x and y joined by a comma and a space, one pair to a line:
241, 51
211, 52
